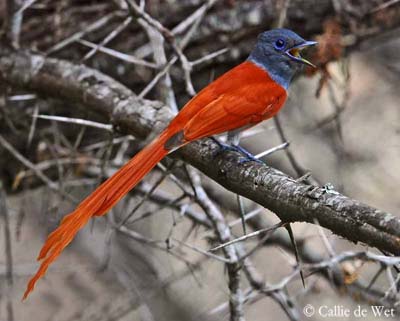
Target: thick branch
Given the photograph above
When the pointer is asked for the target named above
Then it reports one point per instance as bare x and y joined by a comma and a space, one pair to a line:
289, 199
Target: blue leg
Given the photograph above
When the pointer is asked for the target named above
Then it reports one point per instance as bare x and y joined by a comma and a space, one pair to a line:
236, 148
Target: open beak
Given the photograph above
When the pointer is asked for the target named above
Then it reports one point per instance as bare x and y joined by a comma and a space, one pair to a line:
294, 52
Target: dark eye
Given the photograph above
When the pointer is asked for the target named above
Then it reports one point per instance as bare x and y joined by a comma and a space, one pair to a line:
279, 44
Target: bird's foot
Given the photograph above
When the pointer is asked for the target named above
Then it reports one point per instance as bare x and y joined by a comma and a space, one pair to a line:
236, 148
250, 156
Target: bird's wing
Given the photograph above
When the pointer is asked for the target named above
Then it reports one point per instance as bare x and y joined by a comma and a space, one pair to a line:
246, 106
247, 75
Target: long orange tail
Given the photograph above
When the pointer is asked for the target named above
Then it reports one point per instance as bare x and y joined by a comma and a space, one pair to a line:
99, 202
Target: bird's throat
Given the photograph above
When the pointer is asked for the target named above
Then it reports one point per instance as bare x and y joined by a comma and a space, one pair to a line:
280, 73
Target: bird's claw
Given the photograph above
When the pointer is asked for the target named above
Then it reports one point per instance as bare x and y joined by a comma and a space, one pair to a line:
239, 149
250, 157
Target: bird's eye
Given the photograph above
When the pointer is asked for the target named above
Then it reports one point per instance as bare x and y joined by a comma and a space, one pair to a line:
279, 44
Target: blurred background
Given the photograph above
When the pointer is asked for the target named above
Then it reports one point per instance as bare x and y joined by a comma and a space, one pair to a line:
341, 120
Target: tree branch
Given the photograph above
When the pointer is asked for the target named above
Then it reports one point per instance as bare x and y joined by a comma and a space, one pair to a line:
291, 200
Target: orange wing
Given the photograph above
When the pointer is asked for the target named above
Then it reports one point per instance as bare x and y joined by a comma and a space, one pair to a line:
246, 74
246, 106
245, 95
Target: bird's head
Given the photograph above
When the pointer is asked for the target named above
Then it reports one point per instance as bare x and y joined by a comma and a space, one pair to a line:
278, 52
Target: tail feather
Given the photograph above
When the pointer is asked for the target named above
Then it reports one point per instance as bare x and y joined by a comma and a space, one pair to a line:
98, 203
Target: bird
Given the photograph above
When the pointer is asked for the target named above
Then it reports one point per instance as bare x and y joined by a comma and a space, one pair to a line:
251, 92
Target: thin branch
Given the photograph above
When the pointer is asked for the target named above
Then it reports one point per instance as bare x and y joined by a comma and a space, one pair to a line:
209, 57
223, 233
168, 35
8, 253
300, 171
78, 35
25, 6
157, 41
13, 22
248, 236
108, 38
272, 150
384, 5
77, 121
196, 249
117, 54
52, 185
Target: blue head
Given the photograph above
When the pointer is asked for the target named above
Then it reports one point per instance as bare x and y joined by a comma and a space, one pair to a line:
278, 52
